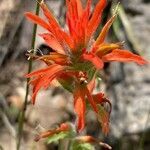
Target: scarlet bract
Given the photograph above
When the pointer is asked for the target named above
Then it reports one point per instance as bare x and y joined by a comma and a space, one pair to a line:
77, 54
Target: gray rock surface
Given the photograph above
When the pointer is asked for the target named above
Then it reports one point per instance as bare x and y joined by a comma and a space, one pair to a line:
129, 83
131, 99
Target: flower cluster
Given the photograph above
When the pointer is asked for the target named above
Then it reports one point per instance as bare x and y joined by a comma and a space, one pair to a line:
77, 56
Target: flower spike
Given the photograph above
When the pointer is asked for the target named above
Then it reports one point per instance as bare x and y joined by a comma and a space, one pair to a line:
77, 57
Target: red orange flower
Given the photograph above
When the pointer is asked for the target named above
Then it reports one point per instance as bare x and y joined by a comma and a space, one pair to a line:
77, 56
80, 95
64, 127
104, 52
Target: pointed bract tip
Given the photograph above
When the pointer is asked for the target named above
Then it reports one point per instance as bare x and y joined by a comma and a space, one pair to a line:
42, 2
116, 9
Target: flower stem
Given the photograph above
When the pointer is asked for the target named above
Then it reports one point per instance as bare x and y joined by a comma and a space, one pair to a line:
142, 139
63, 144
23, 111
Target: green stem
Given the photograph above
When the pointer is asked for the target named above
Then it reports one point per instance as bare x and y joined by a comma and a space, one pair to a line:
1, 148
22, 113
141, 145
63, 144
60, 146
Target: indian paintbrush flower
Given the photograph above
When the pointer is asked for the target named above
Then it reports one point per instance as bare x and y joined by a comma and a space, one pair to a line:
77, 56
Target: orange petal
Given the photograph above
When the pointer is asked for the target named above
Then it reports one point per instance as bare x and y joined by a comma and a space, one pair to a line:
42, 71
79, 106
52, 42
55, 27
38, 72
86, 17
73, 19
51, 19
124, 56
96, 17
43, 81
63, 127
75, 8
91, 85
86, 13
36, 88
100, 99
94, 59
77, 19
104, 31
37, 20
79, 8
105, 48
55, 57
103, 117
63, 38
88, 5
90, 99
49, 15
43, 78
66, 39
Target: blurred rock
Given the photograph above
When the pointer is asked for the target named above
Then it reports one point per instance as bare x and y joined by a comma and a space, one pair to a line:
49, 110
130, 99
138, 14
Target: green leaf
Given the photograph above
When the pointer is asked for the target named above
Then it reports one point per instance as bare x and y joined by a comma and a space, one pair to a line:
91, 72
68, 85
82, 66
81, 146
62, 135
